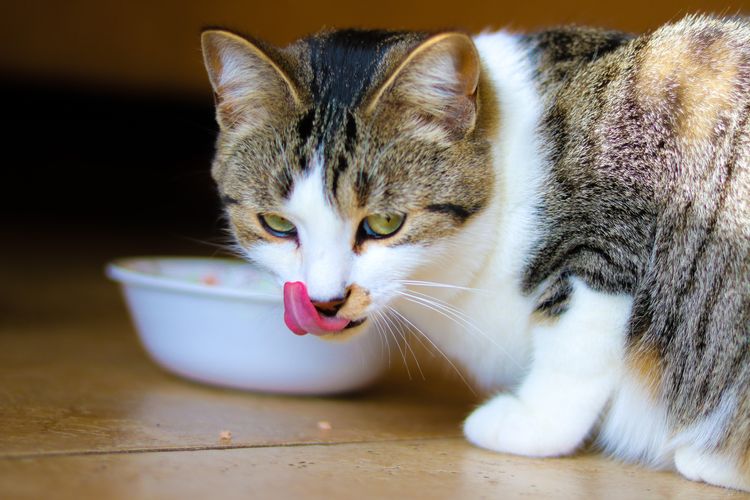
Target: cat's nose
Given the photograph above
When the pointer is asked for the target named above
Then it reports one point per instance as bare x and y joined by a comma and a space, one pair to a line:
330, 307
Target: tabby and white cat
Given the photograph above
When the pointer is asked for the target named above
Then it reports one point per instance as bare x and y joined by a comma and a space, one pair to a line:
578, 200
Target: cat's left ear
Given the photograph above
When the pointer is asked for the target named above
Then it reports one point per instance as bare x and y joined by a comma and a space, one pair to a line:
437, 82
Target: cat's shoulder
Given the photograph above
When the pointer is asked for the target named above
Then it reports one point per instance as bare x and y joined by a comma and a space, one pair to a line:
695, 51
696, 69
700, 31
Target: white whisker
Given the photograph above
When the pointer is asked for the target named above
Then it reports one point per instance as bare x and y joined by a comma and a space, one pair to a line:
411, 332
416, 328
383, 336
454, 315
406, 342
434, 284
400, 349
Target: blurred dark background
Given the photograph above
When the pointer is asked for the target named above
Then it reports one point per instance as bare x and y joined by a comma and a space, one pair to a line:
108, 120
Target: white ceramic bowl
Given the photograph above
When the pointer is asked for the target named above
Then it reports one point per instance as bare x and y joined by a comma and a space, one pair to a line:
220, 321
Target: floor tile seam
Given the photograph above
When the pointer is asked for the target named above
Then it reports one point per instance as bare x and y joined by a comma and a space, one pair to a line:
172, 449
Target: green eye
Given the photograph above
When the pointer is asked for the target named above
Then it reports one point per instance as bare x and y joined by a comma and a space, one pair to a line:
277, 225
382, 225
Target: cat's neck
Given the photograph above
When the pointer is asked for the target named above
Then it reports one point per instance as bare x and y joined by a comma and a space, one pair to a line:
488, 257
517, 151
501, 236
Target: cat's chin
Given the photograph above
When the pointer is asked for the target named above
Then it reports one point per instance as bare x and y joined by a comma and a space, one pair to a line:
354, 328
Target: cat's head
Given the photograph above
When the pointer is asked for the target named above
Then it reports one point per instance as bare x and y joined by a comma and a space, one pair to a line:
348, 160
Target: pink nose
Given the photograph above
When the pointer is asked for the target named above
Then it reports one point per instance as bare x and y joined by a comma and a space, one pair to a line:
301, 315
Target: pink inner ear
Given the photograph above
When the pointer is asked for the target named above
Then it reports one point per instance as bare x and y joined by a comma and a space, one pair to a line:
301, 316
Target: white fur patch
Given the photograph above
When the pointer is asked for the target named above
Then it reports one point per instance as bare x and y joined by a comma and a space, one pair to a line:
635, 428
711, 468
325, 238
488, 331
576, 364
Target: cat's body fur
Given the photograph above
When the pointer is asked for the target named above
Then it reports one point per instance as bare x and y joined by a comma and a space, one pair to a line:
586, 193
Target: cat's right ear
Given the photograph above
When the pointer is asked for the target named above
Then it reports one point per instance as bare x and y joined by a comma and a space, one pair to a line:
249, 86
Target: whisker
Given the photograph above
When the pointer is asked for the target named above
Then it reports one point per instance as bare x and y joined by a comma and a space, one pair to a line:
222, 246
442, 285
458, 372
440, 302
411, 333
400, 349
383, 336
406, 343
456, 316
382, 346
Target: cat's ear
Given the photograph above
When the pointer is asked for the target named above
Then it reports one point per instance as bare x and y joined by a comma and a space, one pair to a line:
249, 86
437, 82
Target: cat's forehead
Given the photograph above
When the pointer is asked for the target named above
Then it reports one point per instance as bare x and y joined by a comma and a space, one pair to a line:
360, 142
340, 68
337, 72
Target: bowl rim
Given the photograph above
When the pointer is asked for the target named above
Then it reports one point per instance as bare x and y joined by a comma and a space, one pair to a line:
118, 271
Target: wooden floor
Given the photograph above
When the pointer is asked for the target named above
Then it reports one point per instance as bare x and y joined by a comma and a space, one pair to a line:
85, 414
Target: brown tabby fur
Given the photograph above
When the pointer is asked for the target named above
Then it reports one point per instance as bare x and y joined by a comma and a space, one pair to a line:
648, 187
650, 195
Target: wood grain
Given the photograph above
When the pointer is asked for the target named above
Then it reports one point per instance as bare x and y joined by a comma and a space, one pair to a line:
442, 468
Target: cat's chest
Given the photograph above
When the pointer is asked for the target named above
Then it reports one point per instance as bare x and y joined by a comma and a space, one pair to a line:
484, 331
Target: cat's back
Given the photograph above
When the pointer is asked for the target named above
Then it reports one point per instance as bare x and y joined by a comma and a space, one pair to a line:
648, 193
692, 83
634, 130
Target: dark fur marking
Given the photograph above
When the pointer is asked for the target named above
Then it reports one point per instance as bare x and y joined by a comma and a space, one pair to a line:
362, 187
305, 131
556, 298
343, 65
582, 247
703, 40
556, 119
457, 211
641, 319
351, 133
687, 285
567, 43
720, 207
284, 182
339, 169
305, 125
343, 163
228, 200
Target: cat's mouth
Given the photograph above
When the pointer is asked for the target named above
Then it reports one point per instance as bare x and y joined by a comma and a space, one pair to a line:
301, 316
355, 323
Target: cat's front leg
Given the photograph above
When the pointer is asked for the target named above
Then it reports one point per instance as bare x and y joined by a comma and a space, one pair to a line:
577, 361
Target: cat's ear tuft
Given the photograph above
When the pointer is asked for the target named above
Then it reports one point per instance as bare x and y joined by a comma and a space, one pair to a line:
437, 81
248, 84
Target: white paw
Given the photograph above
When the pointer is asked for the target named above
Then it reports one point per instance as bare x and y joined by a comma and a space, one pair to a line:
506, 424
710, 468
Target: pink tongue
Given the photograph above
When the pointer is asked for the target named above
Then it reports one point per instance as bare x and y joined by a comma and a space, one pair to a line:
301, 316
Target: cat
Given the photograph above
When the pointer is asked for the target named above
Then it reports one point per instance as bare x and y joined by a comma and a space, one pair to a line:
566, 214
